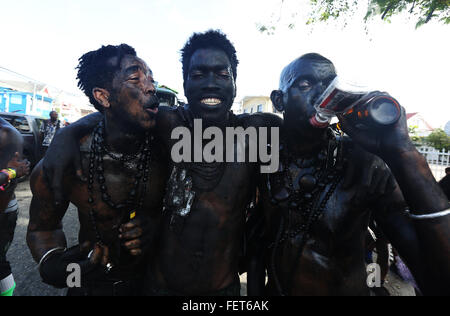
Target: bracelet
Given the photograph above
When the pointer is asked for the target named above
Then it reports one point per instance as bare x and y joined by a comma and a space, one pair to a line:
47, 255
10, 172
432, 215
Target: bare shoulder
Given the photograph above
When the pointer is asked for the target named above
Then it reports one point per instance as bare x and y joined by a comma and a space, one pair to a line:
44, 214
168, 118
259, 120
10, 142
37, 181
9, 135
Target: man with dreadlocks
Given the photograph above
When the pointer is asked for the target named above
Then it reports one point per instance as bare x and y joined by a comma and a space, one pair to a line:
124, 189
317, 227
200, 239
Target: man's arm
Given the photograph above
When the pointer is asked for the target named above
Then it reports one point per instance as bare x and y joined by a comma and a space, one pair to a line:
393, 145
392, 219
64, 152
428, 204
47, 242
45, 228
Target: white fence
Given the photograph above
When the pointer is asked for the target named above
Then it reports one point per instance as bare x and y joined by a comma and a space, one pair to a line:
437, 160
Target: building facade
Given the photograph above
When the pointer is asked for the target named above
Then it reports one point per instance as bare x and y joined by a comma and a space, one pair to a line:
421, 127
24, 102
255, 104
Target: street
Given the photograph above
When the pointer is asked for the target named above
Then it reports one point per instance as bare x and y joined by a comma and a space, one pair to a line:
27, 276
28, 280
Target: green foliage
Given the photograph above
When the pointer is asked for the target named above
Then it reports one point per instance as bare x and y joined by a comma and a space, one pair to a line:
422, 11
417, 140
438, 139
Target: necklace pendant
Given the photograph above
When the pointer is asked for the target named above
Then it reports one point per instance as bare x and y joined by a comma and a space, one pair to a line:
307, 182
281, 195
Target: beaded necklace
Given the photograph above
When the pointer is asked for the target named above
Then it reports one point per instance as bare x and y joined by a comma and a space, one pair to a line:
96, 166
303, 197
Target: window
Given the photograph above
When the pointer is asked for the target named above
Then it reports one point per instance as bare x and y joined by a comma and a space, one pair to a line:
15, 99
165, 99
260, 108
21, 124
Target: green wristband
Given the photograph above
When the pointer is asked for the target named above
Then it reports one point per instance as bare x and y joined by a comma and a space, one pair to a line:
13, 173
9, 292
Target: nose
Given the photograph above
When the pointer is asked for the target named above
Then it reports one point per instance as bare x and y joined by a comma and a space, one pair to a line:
318, 90
150, 86
211, 82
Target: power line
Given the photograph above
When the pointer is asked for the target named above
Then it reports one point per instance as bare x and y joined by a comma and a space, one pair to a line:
20, 75
39, 82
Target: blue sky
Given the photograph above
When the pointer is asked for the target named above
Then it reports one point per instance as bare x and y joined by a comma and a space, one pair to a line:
43, 40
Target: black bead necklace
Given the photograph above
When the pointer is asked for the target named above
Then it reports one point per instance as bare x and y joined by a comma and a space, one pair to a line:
302, 198
96, 166
306, 199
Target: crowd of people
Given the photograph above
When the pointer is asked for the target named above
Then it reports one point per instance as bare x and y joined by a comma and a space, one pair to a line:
150, 225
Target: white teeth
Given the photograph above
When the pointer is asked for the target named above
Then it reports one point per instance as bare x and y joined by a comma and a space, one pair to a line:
210, 101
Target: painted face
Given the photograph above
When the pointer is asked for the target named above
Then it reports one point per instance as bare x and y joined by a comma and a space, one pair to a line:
133, 99
305, 80
210, 87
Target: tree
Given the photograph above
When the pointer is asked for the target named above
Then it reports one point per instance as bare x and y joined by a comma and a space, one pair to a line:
439, 139
416, 139
423, 11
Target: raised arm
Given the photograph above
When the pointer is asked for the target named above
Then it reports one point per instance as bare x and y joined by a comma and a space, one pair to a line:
429, 207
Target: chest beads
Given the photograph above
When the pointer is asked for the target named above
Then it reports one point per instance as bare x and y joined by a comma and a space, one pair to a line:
134, 201
296, 189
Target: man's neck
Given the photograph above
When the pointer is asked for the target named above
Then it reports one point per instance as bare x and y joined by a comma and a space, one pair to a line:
303, 144
208, 120
121, 139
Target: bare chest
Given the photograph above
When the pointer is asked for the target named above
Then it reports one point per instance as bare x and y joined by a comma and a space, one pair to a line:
203, 196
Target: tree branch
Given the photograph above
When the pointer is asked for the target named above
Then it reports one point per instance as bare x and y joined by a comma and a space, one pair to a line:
388, 8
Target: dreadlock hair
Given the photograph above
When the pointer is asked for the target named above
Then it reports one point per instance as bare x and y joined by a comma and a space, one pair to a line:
210, 39
94, 70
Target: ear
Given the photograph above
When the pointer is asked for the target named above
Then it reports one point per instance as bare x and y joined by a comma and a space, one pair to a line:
101, 96
277, 100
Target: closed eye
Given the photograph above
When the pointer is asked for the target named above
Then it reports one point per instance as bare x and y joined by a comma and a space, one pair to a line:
304, 84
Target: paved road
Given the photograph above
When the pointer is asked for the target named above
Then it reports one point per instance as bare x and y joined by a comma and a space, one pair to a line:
25, 269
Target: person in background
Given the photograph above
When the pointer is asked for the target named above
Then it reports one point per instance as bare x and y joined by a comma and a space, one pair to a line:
11, 168
48, 130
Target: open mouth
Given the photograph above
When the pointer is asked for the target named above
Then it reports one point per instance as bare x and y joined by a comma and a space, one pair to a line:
152, 107
153, 110
210, 101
